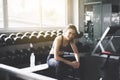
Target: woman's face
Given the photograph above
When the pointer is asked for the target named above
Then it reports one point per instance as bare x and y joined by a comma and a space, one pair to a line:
70, 34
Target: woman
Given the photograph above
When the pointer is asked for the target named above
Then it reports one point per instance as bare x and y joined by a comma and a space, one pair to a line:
56, 57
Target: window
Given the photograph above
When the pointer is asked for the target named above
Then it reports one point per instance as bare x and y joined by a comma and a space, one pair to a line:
36, 13
53, 13
23, 13
1, 14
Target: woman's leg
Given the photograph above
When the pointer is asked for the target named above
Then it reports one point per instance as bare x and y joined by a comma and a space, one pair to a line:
60, 68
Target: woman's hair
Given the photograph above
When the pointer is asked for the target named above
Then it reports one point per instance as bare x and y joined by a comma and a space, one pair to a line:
71, 26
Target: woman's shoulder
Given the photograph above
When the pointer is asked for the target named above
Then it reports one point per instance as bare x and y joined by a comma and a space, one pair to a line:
57, 40
58, 37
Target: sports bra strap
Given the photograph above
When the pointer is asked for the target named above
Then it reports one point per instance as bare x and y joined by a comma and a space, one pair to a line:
61, 41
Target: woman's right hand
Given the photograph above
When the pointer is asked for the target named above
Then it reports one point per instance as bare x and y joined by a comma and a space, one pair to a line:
75, 64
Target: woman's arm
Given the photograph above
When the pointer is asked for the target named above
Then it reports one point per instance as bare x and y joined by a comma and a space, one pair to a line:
57, 43
76, 53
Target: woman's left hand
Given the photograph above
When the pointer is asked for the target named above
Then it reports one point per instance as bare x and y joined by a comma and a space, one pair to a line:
76, 64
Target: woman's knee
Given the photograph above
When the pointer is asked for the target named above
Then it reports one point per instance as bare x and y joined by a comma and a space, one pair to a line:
53, 62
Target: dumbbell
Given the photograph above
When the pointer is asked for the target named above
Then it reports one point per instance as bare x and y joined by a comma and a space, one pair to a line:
53, 36
47, 37
41, 38
34, 33
17, 40
33, 39
2, 37
25, 39
19, 34
27, 34
8, 41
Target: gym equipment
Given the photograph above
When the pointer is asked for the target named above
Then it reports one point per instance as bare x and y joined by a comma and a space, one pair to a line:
33, 39
19, 34
34, 33
17, 40
8, 41
110, 34
25, 39
2, 37
47, 37
27, 34
41, 38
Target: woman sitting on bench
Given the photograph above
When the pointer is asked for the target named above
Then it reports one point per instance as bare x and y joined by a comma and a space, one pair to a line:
56, 59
